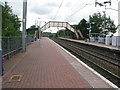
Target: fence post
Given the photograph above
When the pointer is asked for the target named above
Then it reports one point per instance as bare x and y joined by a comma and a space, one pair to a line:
1, 64
8, 56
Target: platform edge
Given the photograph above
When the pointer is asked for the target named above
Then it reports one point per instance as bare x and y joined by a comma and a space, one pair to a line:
96, 73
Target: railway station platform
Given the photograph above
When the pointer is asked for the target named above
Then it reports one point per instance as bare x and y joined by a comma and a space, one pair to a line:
95, 44
47, 65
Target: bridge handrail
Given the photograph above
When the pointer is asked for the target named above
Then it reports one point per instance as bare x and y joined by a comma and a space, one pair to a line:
61, 24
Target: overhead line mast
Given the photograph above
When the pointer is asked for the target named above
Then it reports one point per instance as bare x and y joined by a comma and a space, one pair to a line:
103, 4
24, 25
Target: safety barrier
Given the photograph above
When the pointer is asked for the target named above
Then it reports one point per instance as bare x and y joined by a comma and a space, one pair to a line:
12, 44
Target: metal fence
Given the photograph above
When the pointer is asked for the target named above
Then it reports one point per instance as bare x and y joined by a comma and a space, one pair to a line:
97, 37
12, 44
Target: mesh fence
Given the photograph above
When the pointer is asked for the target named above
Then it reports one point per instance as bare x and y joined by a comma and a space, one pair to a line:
11, 44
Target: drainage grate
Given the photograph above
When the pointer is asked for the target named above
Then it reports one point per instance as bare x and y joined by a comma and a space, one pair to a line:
16, 78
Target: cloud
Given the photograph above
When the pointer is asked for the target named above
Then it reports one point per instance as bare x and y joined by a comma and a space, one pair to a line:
44, 9
41, 10
50, 4
47, 9
68, 4
16, 7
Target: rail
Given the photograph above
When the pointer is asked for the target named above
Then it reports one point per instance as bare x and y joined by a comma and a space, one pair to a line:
103, 65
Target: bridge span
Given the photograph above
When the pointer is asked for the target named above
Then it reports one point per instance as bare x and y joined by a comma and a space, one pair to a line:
62, 24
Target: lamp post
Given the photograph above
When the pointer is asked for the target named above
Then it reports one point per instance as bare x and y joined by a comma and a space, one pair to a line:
39, 28
24, 25
40, 31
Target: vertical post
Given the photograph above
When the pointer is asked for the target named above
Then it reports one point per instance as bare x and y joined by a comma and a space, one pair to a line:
119, 18
1, 67
58, 32
104, 22
118, 38
64, 33
8, 41
39, 29
24, 25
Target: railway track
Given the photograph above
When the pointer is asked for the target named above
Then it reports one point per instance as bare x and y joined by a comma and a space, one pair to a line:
100, 60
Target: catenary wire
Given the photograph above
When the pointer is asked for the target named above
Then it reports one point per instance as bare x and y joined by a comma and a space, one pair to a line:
58, 9
78, 10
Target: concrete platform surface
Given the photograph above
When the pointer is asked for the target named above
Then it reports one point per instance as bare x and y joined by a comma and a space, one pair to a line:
46, 65
94, 43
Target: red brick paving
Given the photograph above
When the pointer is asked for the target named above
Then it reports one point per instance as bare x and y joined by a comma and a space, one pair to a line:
43, 66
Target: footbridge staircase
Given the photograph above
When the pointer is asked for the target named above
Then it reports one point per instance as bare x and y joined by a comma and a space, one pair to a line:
62, 24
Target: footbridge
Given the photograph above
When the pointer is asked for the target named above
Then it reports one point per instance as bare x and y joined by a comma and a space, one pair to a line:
62, 24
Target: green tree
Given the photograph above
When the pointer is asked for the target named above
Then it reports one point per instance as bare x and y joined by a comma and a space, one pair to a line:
32, 27
52, 35
101, 24
65, 33
110, 26
31, 30
82, 26
11, 23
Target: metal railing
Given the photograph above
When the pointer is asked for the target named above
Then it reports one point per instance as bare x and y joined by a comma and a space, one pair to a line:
12, 44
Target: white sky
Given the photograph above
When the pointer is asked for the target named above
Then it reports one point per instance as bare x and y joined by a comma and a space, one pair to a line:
71, 10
